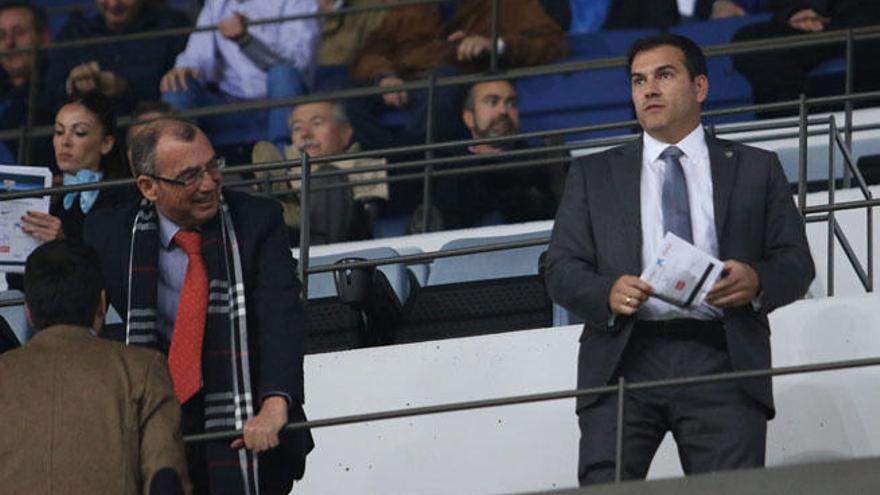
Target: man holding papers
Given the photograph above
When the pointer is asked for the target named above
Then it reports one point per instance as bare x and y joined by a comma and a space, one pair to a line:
620, 210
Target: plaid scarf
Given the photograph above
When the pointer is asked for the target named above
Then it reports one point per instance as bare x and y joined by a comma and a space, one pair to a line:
225, 369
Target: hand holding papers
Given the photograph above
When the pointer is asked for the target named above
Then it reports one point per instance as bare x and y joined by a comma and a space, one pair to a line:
15, 244
682, 274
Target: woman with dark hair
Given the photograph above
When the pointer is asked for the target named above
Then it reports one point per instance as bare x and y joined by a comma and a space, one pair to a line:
86, 151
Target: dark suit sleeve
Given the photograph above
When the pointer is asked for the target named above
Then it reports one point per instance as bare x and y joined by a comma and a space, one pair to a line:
275, 295
572, 276
786, 267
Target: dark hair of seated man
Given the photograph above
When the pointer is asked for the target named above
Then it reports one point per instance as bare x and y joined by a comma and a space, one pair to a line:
63, 284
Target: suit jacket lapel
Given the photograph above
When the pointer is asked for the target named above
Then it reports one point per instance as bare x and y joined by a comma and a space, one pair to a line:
723, 161
626, 173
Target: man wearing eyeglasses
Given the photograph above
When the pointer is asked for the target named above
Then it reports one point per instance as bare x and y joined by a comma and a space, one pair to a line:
206, 276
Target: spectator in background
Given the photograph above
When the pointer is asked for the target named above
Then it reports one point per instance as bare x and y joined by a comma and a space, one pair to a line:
784, 74
128, 71
22, 25
415, 41
340, 214
615, 14
342, 38
86, 150
491, 109
82, 414
241, 61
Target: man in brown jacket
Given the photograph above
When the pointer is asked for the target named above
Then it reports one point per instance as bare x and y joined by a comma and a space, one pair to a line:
414, 40
82, 414
454, 37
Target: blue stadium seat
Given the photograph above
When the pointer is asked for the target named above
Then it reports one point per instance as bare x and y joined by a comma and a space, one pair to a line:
727, 88
578, 99
618, 41
829, 77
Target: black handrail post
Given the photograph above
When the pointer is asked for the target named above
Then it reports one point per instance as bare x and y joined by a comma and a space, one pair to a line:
24, 143
832, 182
429, 154
304, 227
493, 50
848, 106
870, 234
802, 154
618, 460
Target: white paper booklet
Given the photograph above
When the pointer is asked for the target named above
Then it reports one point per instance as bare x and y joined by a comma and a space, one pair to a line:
682, 274
15, 244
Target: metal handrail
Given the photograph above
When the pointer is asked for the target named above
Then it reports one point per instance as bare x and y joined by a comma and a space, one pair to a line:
835, 232
805, 40
600, 142
170, 32
549, 396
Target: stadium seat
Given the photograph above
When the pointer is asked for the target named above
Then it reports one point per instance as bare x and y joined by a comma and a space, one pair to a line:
338, 316
478, 293
727, 87
576, 99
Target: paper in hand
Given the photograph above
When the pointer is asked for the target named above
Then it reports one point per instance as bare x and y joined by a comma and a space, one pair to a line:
15, 244
681, 274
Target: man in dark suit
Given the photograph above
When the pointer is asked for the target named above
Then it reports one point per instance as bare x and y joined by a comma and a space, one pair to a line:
209, 279
731, 201
780, 75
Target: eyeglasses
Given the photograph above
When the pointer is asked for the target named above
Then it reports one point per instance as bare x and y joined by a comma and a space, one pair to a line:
190, 177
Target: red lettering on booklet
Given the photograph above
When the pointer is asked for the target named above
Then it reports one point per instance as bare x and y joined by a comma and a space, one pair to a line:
4, 249
679, 285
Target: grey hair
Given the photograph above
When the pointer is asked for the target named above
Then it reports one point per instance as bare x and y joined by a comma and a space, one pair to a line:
339, 113
143, 143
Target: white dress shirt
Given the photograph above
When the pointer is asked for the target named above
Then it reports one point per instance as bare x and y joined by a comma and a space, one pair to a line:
223, 61
686, 7
698, 174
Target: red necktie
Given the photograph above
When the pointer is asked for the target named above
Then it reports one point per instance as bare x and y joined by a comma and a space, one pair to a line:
185, 355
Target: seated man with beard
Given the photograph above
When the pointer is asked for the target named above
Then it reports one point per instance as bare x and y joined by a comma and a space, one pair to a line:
504, 196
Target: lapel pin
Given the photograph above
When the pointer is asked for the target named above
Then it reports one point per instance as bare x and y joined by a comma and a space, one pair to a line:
728, 154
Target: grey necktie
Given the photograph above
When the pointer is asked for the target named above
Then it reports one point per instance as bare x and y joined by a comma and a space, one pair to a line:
676, 209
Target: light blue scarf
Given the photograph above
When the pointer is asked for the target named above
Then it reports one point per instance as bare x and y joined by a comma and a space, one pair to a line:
86, 198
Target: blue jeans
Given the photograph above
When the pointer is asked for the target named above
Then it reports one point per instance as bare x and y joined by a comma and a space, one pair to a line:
282, 81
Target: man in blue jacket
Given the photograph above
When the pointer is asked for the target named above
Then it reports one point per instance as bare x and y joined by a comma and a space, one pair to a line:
127, 72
